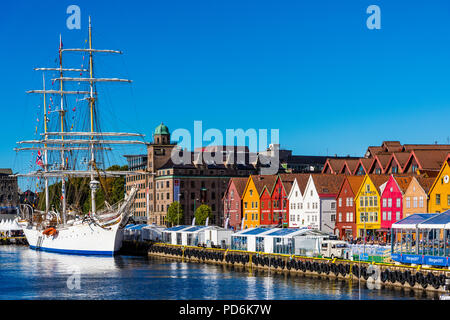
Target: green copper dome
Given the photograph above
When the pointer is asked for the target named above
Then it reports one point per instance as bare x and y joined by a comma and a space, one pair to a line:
161, 129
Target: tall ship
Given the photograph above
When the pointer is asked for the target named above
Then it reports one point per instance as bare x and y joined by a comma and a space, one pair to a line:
70, 164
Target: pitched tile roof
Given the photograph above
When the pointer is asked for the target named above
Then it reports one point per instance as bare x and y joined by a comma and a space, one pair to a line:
262, 180
430, 159
355, 182
426, 182
240, 184
378, 179
403, 181
302, 180
327, 184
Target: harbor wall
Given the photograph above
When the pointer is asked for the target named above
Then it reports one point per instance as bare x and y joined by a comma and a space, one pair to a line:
378, 274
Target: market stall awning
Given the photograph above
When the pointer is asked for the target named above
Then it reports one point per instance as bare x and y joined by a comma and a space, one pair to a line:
412, 221
439, 221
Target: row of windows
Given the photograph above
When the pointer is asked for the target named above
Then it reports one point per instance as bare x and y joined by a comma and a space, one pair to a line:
368, 217
387, 202
387, 216
438, 199
348, 217
417, 202
371, 201
348, 202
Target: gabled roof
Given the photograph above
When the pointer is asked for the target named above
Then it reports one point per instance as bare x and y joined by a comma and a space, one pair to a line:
261, 180
425, 182
354, 182
327, 184
427, 159
302, 179
382, 159
349, 166
400, 158
403, 182
377, 179
334, 165
444, 164
239, 184
365, 163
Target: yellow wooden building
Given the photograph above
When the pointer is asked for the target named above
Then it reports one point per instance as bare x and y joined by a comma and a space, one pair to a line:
439, 194
367, 202
251, 211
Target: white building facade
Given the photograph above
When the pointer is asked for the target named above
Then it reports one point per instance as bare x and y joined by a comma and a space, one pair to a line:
295, 199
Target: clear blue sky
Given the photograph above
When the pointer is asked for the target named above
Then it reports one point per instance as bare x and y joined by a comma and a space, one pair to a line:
311, 69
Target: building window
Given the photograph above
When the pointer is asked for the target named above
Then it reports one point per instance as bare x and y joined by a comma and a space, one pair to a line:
397, 215
340, 202
389, 203
399, 202
389, 215
340, 216
333, 205
438, 199
415, 202
408, 202
421, 202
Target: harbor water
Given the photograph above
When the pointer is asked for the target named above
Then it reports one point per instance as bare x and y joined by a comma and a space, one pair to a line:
28, 274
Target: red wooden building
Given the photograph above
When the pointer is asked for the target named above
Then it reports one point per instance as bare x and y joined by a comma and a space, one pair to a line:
232, 202
345, 226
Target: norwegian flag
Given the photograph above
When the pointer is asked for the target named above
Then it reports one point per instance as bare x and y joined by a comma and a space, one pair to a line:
39, 161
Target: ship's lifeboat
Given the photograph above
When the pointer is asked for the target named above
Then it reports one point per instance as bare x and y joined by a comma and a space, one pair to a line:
50, 231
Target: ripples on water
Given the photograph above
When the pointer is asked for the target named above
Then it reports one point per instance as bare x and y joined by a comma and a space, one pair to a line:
29, 274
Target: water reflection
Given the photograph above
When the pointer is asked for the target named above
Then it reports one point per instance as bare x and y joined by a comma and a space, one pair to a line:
29, 274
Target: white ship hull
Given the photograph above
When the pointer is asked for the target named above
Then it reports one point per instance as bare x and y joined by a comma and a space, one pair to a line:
78, 239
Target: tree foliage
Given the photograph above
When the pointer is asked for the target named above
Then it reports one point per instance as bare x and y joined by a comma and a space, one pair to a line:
175, 213
204, 211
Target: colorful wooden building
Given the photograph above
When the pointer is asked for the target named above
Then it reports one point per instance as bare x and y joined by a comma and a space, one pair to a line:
251, 199
295, 200
232, 202
367, 202
415, 199
439, 194
280, 205
319, 201
345, 227
392, 203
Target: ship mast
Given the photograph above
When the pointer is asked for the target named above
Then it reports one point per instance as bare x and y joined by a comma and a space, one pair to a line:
61, 111
94, 184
